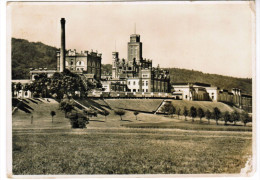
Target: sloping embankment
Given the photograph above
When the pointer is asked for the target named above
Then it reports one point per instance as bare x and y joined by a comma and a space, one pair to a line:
205, 105
142, 105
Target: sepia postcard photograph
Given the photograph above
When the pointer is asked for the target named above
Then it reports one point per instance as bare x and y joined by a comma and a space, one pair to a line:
131, 89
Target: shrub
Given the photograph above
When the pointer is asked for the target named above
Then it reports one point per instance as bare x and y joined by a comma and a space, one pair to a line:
78, 120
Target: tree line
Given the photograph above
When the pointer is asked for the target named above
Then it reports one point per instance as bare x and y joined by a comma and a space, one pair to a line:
216, 114
57, 86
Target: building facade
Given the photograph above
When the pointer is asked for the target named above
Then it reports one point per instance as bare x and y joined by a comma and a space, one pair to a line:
82, 62
206, 92
138, 72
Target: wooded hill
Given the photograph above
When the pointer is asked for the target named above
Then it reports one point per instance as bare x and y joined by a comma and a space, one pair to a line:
27, 54
223, 82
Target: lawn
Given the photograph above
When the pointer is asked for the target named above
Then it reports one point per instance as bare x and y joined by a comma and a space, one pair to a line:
107, 147
143, 105
190, 126
205, 105
130, 151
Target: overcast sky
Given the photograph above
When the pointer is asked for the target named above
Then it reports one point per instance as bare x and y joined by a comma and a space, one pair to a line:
209, 37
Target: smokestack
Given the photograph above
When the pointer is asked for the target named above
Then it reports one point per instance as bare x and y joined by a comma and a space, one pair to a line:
62, 48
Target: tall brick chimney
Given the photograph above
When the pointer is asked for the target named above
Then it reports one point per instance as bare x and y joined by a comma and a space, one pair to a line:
62, 47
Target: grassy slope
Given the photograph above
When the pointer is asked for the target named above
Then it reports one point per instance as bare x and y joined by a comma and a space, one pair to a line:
203, 104
151, 105
106, 147
144, 105
41, 116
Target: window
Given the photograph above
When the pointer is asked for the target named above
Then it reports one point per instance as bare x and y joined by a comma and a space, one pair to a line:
212, 97
134, 90
77, 69
186, 97
146, 83
143, 90
143, 83
129, 82
134, 82
71, 63
79, 62
146, 90
145, 75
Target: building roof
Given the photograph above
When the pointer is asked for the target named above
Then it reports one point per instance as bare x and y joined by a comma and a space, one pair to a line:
194, 83
22, 81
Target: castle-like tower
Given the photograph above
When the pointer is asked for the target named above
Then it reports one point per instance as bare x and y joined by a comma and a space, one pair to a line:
134, 49
115, 63
137, 72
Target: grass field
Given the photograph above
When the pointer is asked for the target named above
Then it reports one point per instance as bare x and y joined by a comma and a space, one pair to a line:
205, 105
143, 105
129, 152
108, 147
204, 126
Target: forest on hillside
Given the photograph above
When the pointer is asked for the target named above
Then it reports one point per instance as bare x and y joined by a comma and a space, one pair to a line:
224, 82
26, 55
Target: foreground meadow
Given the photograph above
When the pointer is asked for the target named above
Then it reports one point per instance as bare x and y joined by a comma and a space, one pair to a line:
108, 147
129, 152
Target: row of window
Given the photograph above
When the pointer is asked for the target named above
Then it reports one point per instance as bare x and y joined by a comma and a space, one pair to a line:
144, 83
137, 90
81, 63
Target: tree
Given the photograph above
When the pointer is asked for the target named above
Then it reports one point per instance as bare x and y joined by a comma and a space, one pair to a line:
67, 106
201, 113
185, 112
179, 112
136, 113
193, 112
53, 113
167, 108
217, 114
208, 115
235, 117
172, 110
226, 117
105, 113
245, 118
120, 113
